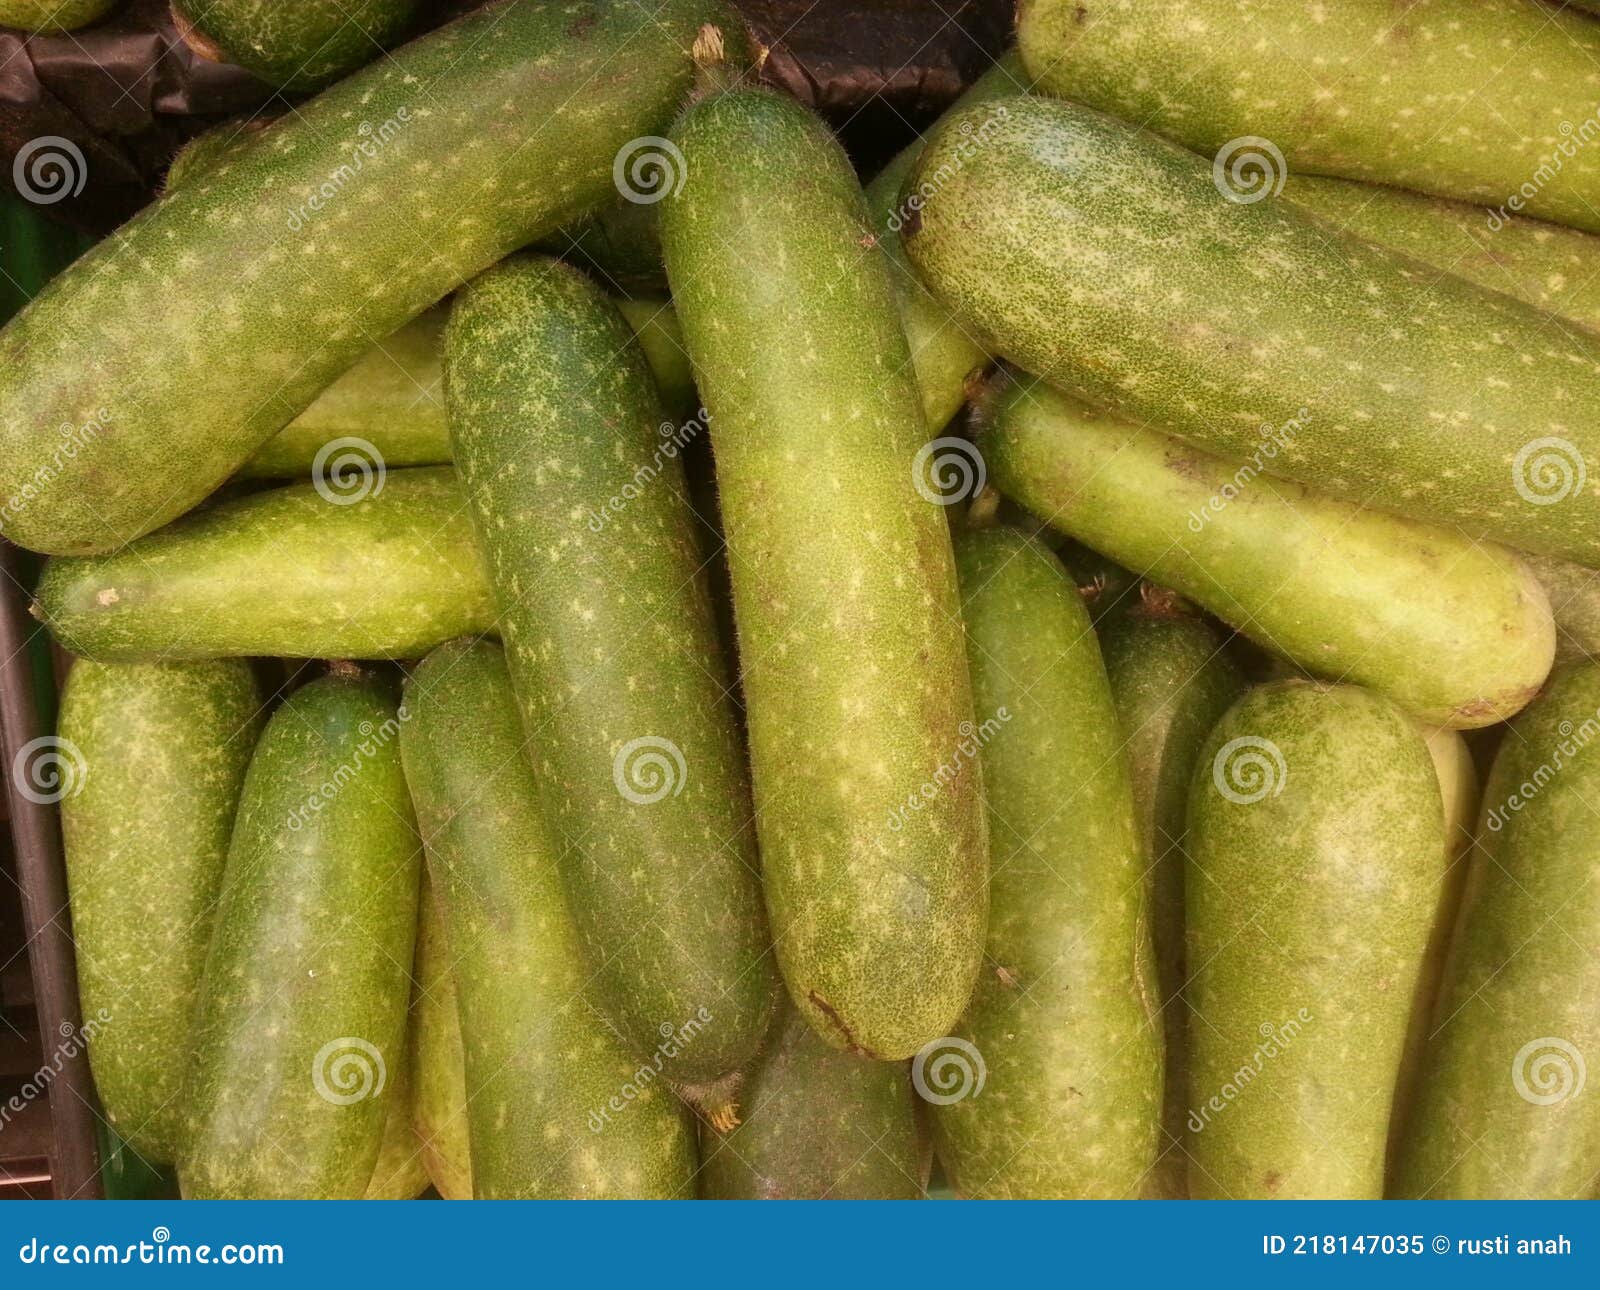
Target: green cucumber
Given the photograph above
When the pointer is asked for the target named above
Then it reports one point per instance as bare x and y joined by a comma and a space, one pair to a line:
1478, 102
1574, 594
153, 757
844, 588
817, 1124
1456, 631
274, 273
1172, 680
1107, 261
576, 489
303, 1006
52, 15
1051, 1085
557, 1108
438, 1062
358, 565
1316, 853
1500, 1110
400, 1173
300, 46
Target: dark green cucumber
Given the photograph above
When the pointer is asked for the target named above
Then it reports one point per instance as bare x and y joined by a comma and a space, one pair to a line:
844, 587
157, 755
303, 45
557, 1107
400, 1173
1456, 631
52, 15
1574, 594
1107, 261
303, 1007
438, 1062
1051, 1084
1172, 680
273, 272
1316, 854
816, 1124
1502, 1110
294, 572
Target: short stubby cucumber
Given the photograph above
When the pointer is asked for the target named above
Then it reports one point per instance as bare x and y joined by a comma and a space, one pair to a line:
873, 837
1456, 631
152, 758
1491, 102
1574, 594
1107, 261
274, 271
358, 565
1316, 853
1503, 1110
438, 1063
817, 1124
52, 15
299, 46
575, 486
303, 1006
556, 1108
1171, 679
1050, 1087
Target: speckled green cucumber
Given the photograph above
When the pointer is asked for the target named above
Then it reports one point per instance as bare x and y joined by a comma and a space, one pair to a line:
294, 572
816, 1124
1574, 594
276, 270
581, 510
400, 1173
152, 759
1051, 1084
308, 978
299, 46
1502, 1110
1477, 102
1456, 631
1106, 260
52, 15
557, 1108
438, 1061
844, 586
1172, 680
1316, 852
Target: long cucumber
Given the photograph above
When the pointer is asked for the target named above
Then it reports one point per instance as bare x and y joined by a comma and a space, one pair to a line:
298, 46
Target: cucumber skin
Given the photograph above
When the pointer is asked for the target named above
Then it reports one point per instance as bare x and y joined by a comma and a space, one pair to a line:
1574, 594
52, 15
1456, 631
1447, 363
300, 46
1171, 680
284, 311
165, 747
438, 1061
844, 587
610, 638
314, 933
1528, 919
283, 573
809, 1112
1354, 842
540, 1061
400, 1173
1064, 1016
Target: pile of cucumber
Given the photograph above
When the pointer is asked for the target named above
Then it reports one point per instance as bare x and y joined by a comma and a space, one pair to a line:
613, 661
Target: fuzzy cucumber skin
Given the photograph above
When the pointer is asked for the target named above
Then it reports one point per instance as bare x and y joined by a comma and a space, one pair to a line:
611, 641
438, 1061
300, 46
440, 159
541, 1063
1065, 1014
162, 750
285, 573
308, 978
1106, 261
1574, 594
1310, 894
1171, 680
52, 15
1521, 968
1456, 631
844, 585
816, 1124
